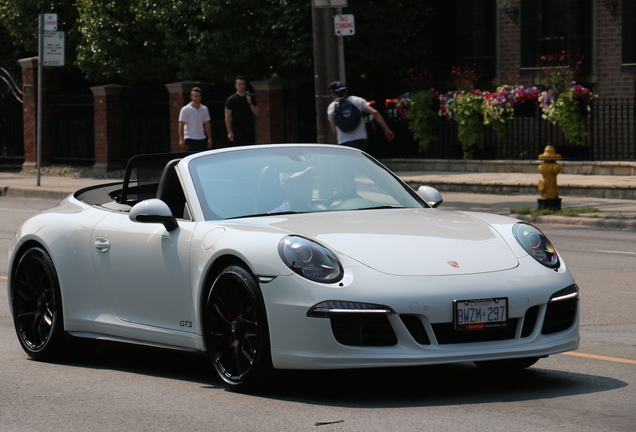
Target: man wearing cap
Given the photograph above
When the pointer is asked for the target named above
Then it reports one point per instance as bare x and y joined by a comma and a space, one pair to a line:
357, 137
299, 188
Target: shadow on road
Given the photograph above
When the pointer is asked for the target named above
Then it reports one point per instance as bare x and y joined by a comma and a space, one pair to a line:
438, 385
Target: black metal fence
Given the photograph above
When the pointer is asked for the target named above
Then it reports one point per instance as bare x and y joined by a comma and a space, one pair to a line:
146, 121
70, 126
11, 131
610, 128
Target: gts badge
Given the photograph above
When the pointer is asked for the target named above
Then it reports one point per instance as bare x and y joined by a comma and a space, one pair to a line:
187, 324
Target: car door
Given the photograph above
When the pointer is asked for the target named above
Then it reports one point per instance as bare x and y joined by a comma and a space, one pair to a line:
143, 271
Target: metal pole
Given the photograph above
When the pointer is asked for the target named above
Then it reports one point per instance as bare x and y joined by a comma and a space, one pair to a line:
325, 69
341, 55
39, 113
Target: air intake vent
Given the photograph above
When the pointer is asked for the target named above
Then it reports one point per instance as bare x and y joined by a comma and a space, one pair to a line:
367, 329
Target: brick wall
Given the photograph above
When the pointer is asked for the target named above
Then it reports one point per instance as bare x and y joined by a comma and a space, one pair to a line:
607, 79
611, 82
278, 120
109, 127
510, 52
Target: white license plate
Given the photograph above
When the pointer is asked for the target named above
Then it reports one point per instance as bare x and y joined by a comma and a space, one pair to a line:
481, 314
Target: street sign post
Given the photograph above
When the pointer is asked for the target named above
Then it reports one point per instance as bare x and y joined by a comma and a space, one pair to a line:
50, 53
330, 3
53, 47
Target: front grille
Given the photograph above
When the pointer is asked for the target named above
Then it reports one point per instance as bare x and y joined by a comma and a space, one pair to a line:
363, 329
446, 334
559, 316
374, 329
529, 321
414, 325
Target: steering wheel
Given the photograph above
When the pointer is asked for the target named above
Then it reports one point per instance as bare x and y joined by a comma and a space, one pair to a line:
339, 198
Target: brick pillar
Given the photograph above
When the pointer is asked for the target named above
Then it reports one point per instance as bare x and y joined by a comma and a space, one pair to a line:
30, 111
278, 122
509, 56
109, 128
179, 96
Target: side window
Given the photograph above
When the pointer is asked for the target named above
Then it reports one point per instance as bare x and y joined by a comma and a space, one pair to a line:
555, 26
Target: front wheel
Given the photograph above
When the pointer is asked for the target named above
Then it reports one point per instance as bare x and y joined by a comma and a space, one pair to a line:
37, 306
236, 331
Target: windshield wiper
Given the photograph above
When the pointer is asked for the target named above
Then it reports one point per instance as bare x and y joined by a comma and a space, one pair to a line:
265, 214
381, 207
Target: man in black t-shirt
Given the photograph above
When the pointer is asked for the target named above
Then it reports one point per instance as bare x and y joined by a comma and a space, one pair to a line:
240, 115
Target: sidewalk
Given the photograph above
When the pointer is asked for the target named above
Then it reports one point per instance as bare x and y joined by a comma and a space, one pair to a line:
487, 192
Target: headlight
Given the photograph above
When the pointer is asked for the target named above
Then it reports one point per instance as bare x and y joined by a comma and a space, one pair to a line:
310, 259
536, 244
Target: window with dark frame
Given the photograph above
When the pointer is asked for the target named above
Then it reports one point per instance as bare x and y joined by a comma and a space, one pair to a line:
554, 26
465, 34
629, 36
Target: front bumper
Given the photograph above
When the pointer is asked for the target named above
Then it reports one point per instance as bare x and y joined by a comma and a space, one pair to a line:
420, 331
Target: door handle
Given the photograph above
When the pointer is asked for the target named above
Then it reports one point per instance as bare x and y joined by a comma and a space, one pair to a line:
102, 244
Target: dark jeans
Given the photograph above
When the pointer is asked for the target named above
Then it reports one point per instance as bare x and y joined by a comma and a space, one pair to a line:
244, 138
196, 145
360, 144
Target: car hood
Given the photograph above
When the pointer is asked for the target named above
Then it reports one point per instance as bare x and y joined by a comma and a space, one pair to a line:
407, 241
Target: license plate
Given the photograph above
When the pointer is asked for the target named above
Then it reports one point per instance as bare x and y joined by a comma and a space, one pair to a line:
481, 314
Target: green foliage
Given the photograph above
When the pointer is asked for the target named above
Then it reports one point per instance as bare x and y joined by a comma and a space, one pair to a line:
133, 41
421, 115
20, 19
467, 109
569, 114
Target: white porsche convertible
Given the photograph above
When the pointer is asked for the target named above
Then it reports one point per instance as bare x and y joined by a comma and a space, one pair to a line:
290, 256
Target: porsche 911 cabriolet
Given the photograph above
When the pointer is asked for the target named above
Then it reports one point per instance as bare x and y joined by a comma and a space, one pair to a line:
290, 256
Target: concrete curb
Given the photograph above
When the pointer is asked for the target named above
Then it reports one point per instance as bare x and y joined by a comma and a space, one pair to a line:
580, 221
506, 188
16, 192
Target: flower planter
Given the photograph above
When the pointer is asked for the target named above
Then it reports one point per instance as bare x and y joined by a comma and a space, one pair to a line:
526, 109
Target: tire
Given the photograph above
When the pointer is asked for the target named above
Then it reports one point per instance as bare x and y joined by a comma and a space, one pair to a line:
507, 365
37, 306
236, 331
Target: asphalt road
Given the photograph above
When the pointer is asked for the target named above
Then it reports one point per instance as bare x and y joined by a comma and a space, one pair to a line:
130, 388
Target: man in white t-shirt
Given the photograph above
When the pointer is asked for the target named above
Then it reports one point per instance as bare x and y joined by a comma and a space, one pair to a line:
195, 132
357, 137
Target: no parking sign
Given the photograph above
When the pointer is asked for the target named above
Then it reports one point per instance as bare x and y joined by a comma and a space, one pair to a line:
344, 25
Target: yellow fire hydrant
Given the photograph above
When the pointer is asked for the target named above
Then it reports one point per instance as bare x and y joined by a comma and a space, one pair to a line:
548, 187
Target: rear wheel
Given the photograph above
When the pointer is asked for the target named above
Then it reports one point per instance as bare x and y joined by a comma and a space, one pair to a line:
236, 332
508, 364
37, 306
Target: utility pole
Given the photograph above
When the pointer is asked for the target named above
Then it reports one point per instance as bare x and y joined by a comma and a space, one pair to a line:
325, 67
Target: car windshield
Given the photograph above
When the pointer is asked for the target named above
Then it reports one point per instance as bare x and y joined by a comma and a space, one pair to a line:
253, 181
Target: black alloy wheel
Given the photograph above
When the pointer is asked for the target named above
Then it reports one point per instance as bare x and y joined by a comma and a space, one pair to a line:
236, 332
37, 306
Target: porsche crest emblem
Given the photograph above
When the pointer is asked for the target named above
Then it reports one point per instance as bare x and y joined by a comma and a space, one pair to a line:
453, 264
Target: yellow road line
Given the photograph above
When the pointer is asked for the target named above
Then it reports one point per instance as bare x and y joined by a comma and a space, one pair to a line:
598, 357
3, 277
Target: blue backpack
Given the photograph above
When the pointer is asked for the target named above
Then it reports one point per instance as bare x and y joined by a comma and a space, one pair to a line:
348, 116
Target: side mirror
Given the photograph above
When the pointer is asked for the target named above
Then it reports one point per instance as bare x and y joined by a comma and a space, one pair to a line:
153, 211
430, 195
